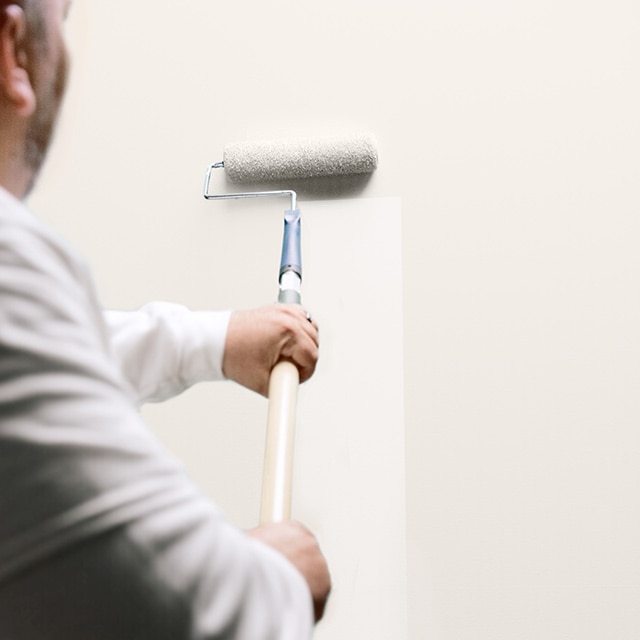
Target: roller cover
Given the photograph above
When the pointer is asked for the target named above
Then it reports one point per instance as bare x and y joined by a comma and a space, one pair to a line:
269, 161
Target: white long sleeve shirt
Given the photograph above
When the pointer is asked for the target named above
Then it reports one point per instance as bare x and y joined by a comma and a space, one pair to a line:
79, 468
163, 348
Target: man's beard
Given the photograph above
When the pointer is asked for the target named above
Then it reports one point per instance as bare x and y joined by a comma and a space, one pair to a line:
42, 123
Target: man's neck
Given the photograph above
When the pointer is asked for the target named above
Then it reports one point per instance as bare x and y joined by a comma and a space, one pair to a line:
15, 177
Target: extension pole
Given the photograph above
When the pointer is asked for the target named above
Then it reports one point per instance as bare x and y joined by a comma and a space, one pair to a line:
283, 392
278, 457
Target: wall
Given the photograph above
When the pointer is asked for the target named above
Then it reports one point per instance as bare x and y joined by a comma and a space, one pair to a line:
509, 131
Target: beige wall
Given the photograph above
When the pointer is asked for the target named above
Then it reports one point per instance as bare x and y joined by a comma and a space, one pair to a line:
509, 132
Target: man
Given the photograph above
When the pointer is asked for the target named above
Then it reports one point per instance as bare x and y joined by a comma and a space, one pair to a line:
102, 535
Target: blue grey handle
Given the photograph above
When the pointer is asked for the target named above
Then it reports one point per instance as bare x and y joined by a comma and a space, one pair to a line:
291, 259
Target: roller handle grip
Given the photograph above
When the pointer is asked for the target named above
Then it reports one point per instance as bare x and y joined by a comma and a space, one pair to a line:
291, 259
278, 458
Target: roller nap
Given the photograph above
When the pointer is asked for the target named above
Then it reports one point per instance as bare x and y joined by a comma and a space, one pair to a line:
268, 161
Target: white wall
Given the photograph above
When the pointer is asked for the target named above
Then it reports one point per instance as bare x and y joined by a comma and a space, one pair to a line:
510, 132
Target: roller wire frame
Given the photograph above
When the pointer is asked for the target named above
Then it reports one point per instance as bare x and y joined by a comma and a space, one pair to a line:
277, 476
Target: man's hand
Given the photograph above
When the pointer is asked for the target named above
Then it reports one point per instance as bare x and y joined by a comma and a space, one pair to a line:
258, 339
299, 546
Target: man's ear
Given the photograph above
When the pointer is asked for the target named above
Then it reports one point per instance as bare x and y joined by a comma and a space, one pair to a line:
15, 81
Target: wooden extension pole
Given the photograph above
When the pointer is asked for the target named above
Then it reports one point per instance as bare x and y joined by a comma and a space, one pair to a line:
278, 457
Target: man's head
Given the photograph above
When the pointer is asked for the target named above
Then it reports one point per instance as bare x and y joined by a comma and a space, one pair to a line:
33, 69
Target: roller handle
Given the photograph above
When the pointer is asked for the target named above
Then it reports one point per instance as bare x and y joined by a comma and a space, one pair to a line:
283, 392
290, 260
278, 457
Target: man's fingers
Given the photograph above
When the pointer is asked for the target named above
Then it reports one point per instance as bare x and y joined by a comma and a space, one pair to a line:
303, 349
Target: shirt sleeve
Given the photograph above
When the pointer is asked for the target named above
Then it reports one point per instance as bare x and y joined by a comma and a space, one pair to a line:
163, 348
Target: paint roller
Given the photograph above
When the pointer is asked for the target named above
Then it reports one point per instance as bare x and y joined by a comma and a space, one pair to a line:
272, 161
277, 161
